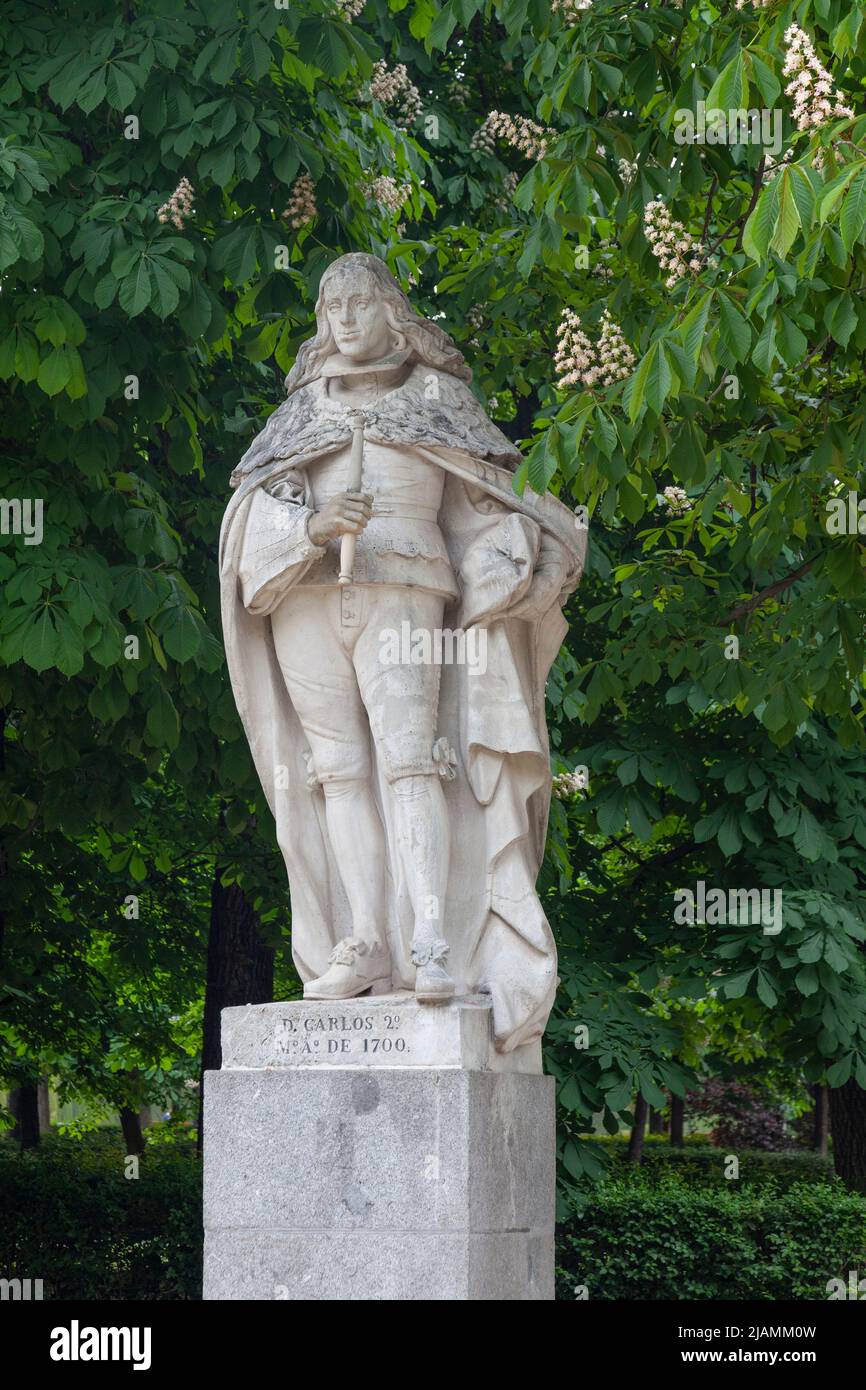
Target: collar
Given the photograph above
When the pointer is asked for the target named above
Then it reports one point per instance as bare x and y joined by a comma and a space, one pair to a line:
338, 365
364, 383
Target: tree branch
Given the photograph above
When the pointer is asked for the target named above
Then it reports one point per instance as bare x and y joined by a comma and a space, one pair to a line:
768, 592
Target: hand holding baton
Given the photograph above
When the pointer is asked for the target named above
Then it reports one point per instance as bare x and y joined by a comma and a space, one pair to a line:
356, 468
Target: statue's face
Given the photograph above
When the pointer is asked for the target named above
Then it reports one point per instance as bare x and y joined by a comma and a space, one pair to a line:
356, 316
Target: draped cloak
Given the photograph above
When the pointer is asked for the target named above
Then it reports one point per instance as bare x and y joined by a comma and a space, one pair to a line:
516, 559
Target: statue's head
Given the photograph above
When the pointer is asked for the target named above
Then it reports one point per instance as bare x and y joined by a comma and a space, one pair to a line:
362, 313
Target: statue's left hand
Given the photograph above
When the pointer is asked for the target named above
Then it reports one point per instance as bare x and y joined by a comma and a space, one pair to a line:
547, 582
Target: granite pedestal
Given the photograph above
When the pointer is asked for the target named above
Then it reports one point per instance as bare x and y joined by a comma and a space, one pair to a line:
376, 1149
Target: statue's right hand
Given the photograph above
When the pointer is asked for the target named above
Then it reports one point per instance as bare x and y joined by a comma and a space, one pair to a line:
345, 515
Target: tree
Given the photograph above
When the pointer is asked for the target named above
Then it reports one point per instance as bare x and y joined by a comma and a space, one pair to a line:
530, 167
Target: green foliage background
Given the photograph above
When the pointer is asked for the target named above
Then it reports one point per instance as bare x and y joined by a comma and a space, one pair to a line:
131, 776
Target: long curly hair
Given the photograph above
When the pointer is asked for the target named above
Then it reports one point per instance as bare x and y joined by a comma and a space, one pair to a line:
429, 343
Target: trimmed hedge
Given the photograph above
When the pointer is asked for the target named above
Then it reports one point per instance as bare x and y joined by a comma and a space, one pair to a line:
703, 1163
70, 1217
658, 1237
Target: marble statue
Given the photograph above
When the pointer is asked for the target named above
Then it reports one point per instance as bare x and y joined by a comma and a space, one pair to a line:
391, 610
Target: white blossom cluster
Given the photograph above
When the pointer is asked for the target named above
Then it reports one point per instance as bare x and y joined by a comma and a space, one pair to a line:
615, 357
301, 208
574, 354
811, 89
678, 500
519, 131
394, 87
755, 4
350, 9
179, 205
568, 784
673, 247
458, 92
627, 169
571, 10
387, 192
579, 363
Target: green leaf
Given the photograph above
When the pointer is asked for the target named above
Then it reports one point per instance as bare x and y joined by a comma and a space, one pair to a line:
788, 218
844, 37
840, 1072
730, 90
442, 28
135, 290
808, 837
806, 980
236, 254
166, 295
764, 78
180, 634
756, 235
853, 216
804, 195
41, 644
792, 342
628, 769
766, 992
840, 316
163, 724
93, 92
120, 90
196, 314
735, 986
651, 382
734, 331
693, 327
835, 190
69, 653
729, 839
55, 371
764, 351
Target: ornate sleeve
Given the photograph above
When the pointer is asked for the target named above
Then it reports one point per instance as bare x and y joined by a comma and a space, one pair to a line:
276, 550
515, 567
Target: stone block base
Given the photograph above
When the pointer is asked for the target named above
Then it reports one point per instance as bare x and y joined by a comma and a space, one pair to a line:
375, 1181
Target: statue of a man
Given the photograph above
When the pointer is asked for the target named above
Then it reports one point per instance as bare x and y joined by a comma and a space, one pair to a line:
406, 764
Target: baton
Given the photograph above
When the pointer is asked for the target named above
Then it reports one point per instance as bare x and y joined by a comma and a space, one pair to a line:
356, 466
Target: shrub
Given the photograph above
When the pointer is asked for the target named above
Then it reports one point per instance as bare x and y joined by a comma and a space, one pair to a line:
744, 1118
650, 1237
702, 1164
70, 1217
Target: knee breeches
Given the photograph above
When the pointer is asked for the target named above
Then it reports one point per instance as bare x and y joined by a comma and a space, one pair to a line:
333, 649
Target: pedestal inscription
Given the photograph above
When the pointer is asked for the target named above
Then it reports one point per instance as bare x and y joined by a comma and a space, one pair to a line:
392, 1031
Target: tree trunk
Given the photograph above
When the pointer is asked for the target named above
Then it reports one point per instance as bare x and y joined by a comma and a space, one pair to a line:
43, 1102
820, 1120
240, 969
848, 1124
130, 1123
24, 1104
635, 1143
656, 1121
678, 1113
